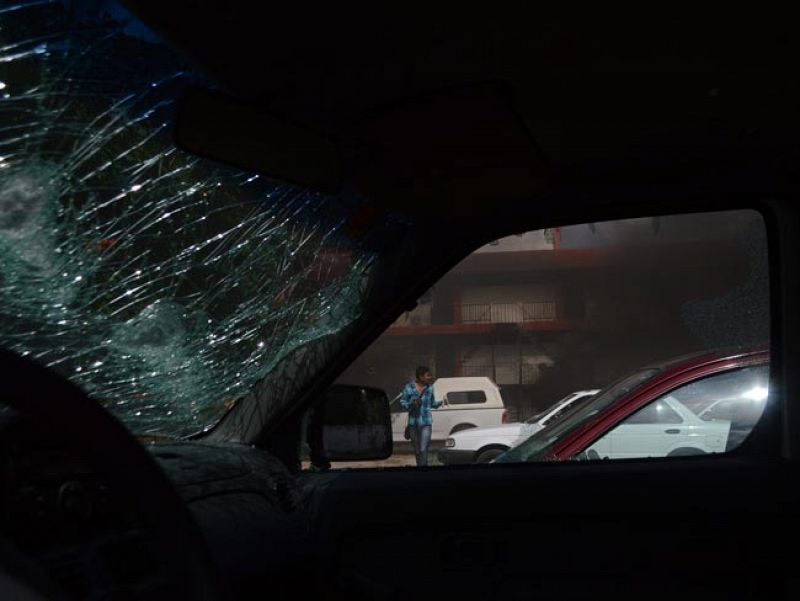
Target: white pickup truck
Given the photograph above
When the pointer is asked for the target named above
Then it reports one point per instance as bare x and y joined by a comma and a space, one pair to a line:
472, 402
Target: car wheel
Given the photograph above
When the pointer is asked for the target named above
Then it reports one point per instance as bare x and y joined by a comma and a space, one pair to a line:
461, 427
686, 452
487, 455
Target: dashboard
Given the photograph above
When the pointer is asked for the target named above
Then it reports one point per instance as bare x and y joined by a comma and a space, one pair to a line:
71, 525
249, 509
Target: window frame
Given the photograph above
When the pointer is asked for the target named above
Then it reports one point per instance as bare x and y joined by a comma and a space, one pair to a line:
778, 431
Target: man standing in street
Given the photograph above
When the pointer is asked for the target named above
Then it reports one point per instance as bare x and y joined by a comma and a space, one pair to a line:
417, 399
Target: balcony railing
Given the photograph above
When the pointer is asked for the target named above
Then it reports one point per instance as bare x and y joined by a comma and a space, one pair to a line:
420, 316
508, 312
505, 372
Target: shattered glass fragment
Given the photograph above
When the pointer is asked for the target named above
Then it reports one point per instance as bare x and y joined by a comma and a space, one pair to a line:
167, 286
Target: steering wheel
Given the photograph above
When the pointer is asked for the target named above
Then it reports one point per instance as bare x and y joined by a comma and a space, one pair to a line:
47, 406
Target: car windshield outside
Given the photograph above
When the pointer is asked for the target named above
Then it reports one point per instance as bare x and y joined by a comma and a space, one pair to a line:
165, 285
539, 446
541, 414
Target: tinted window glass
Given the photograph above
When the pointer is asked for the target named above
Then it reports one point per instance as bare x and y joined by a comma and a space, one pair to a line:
468, 397
742, 391
555, 416
731, 401
535, 418
655, 413
539, 446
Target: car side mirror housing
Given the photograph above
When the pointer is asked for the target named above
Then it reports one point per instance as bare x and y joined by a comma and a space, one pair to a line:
356, 424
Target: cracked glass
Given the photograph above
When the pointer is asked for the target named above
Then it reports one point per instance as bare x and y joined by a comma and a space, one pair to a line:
165, 285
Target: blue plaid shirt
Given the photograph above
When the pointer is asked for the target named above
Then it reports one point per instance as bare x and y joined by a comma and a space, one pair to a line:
422, 416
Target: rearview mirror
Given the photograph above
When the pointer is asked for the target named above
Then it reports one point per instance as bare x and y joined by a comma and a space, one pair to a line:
356, 424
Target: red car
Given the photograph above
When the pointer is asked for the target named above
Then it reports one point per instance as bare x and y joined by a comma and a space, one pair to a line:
704, 403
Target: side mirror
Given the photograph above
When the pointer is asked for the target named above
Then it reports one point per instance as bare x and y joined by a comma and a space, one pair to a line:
356, 424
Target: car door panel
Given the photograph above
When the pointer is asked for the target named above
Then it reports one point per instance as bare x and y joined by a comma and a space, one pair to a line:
399, 421
691, 436
560, 531
640, 440
442, 422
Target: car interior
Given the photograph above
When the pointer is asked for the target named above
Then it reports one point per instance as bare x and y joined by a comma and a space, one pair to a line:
210, 212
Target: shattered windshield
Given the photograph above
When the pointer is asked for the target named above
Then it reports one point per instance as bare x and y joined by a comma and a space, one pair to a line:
164, 285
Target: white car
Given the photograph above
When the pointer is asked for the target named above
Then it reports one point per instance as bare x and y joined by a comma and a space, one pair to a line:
665, 427
481, 445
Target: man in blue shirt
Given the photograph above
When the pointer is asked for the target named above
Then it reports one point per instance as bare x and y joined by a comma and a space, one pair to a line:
417, 399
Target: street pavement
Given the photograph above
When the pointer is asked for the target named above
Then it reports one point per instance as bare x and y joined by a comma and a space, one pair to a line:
402, 457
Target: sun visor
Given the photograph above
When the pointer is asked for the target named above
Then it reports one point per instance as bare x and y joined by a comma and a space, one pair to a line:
454, 154
225, 129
